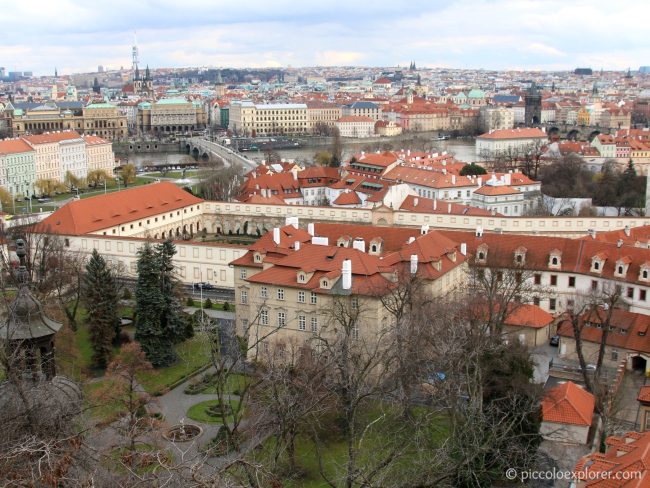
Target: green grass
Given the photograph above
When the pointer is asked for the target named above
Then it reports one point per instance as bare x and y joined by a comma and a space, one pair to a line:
377, 441
198, 412
193, 354
234, 384
101, 407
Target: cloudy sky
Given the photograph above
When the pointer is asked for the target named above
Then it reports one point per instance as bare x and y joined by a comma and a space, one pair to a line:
77, 36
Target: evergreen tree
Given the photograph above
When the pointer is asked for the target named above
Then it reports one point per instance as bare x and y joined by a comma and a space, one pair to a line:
100, 295
149, 331
171, 319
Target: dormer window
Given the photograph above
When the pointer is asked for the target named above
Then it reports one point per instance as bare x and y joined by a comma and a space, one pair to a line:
621, 267
644, 274
481, 253
555, 258
597, 263
301, 277
257, 257
520, 255
324, 284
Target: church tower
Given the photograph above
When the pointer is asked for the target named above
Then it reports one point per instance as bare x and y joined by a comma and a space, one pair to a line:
533, 106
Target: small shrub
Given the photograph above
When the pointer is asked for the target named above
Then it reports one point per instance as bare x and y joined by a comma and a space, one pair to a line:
226, 306
207, 304
126, 294
189, 302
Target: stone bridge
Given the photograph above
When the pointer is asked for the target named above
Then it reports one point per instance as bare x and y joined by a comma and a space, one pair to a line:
202, 148
575, 132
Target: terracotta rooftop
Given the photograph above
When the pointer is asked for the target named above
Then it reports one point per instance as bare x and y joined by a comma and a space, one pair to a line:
568, 404
526, 133
93, 214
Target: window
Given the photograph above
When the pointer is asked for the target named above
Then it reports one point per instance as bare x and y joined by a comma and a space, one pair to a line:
243, 297
355, 331
355, 303
594, 285
645, 274
301, 278
314, 324
264, 292
572, 281
538, 279
614, 355
313, 298
553, 280
242, 274
536, 301
282, 321
244, 325
302, 322
264, 317
620, 270
630, 292
642, 295
481, 256
596, 265
554, 261
499, 275
280, 293
551, 304
301, 297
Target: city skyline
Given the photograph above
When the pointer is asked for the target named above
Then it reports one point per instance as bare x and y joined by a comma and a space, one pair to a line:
500, 35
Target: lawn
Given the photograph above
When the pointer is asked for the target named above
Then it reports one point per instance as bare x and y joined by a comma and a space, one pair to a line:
198, 412
376, 443
234, 384
102, 408
193, 354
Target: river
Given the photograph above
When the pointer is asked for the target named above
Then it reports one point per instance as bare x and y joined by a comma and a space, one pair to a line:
461, 148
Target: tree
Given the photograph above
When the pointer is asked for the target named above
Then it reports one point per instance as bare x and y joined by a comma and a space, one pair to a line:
128, 174
337, 148
47, 187
122, 387
73, 182
101, 299
323, 158
149, 331
98, 177
5, 199
472, 169
172, 321
220, 183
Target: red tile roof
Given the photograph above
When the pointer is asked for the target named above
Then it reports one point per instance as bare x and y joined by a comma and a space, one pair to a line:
568, 404
14, 146
526, 133
644, 394
51, 137
104, 211
414, 203
527, 315
347, 198
624, 465
490, 190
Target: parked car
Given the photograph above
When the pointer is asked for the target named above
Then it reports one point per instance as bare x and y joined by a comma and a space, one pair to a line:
555, 340
204, 285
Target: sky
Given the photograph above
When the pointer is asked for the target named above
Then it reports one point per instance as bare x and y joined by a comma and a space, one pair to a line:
77, 36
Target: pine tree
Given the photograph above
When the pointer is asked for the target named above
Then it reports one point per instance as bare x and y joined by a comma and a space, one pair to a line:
100, 295
171, 318
149, 331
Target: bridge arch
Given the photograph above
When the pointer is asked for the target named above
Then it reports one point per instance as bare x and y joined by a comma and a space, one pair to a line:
573, 135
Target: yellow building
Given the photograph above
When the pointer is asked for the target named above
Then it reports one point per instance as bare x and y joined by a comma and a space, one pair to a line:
247, 118
583, 117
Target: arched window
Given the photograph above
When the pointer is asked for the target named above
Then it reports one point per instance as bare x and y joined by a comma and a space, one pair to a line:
554, 261
596, 265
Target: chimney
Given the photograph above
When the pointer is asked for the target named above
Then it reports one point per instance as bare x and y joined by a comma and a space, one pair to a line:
479, 231
619, 243
627, 230
414, 264
276, 235
291, 221
592, 233
346, 274
435, 204
296, 246
359, 244
424, 229
415, 201
294, 172
310, 229
453, 179
463, 248
449, 208
411, 239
